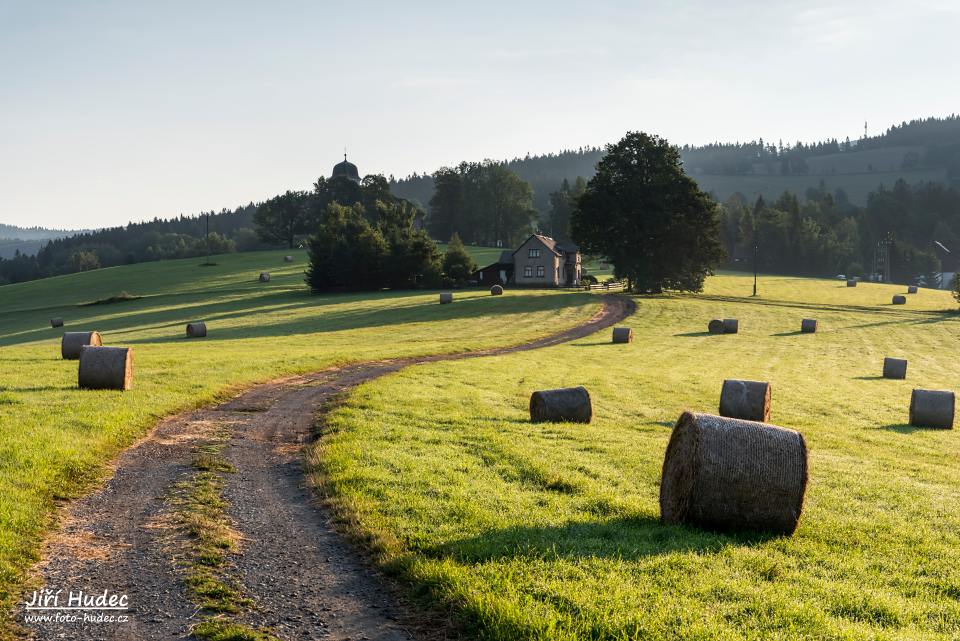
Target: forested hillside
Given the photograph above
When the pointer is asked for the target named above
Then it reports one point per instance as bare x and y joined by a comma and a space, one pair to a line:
926, 150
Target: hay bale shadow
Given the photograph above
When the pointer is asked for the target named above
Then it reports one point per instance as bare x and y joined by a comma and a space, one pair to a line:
618, 538
793, 333
906, 428
697, 334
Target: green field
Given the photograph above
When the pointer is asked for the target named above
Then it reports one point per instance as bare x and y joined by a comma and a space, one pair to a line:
56, 441
552, 531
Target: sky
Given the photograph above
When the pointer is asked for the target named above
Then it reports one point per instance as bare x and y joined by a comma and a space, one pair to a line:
119, 111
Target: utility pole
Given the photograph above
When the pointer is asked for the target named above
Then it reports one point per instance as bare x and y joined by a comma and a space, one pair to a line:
756, 249
208, 239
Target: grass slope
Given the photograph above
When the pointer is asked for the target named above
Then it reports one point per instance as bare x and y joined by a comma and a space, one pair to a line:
553, 532
55, 440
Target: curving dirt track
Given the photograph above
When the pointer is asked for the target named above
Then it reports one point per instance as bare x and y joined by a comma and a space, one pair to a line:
306, 580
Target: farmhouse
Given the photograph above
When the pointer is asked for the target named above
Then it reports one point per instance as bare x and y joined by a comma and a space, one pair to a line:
540, 261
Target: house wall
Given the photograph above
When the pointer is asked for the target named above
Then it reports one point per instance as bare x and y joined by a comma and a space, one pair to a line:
548, 260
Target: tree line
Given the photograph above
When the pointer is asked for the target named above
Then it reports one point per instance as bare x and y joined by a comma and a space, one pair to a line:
825, 235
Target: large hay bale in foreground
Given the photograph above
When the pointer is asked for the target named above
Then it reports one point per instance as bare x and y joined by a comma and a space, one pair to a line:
932, 408
895, 368
73, 342
288, 259
747, 400
851, 282
56, 322
622, 334
106, 368
899, 299
264, 277
496, 290
196, 329
729, 474
912, 289
446, 297
715, 326
564, 405
731, 325
808, 325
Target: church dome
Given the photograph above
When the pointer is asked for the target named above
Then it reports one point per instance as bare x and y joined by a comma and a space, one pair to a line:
346, 170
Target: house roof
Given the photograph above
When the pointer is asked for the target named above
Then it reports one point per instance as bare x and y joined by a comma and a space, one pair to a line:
550, 243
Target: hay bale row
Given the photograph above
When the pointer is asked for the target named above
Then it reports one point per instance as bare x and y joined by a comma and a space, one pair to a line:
72, 343
899, 299
808, 325
729, 474
105, 368
564, 405
446, 298
622, 334
196, 329
496, 290
932, 408
746, 400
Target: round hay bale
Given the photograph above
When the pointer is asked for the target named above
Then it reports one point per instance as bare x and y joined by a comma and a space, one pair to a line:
715, 326
106, 368
729, 474
288, 259
912, 289
851, 283
899, 299
446, 297
73, 342
56, 322
622, 334
747, 400
808, 325
564, 405
730, 325
196, 329
496, 290
895, 368
932, 408
264, 277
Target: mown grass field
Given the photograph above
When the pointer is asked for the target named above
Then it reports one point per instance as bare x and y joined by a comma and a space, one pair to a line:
56, 440
552, 531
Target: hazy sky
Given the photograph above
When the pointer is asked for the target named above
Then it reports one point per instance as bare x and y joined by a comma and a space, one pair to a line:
112, 111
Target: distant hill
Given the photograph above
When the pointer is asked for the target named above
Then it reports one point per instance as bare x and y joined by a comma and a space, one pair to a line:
28, 240
926, 150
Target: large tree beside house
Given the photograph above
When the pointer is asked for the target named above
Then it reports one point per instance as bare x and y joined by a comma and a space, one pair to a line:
644, 214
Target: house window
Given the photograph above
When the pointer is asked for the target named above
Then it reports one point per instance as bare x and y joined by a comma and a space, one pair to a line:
533, 253
540, 271
528, 271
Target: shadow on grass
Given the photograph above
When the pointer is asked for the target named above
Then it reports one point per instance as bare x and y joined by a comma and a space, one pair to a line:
906, 428
41, 388
685, 334
416, 311
796, 332
593, 343
387, 308
876, 377
622, 538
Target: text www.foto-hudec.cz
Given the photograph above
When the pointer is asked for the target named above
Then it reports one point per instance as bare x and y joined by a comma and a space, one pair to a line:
76, 606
